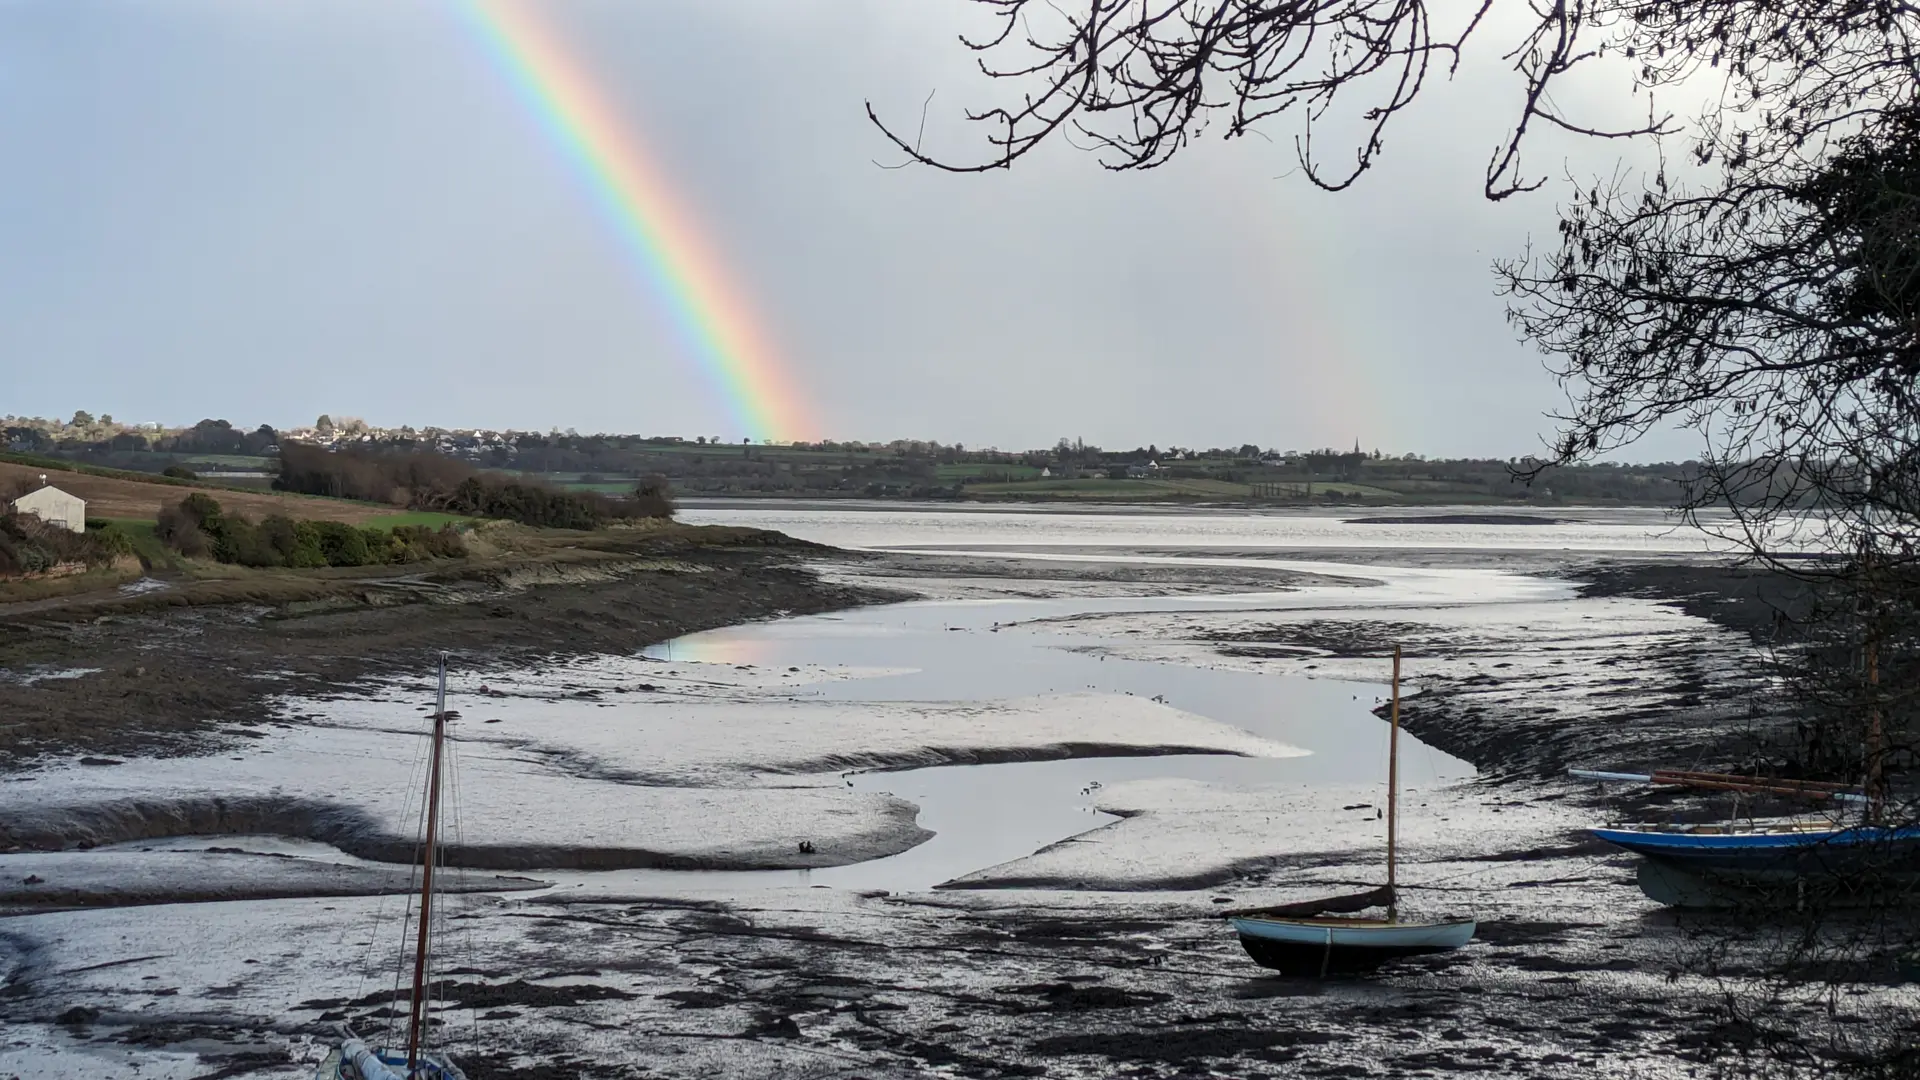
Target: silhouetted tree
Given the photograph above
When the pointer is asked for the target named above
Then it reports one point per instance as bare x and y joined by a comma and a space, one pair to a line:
1767, 295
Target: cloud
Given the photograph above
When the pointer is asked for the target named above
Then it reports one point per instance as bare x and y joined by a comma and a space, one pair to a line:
268, 211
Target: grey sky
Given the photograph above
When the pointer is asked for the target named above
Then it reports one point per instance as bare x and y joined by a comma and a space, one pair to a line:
265, 211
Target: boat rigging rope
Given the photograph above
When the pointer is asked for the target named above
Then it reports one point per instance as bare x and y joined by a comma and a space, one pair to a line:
457, 823
368, 965
423, 753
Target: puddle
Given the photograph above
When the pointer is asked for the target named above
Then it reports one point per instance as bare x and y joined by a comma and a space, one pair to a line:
994, 650
984, 815
31, 675
141, 586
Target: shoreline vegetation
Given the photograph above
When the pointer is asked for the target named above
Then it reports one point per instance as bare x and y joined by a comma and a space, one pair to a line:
328, 510
215, 453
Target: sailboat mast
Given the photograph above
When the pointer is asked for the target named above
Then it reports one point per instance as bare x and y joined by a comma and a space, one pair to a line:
417, 1018
1393, 789
1876, 785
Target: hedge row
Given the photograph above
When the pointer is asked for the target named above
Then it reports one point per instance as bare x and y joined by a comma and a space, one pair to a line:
197, 527
423, 480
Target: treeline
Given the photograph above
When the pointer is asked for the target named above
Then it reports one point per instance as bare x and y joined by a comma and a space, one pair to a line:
197, 527
427, 481
85, 435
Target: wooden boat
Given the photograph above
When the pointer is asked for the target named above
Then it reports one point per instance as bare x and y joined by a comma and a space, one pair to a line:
1326, 937
1787, 864
1772, 864
1779, 864
356, 1059
1316, 938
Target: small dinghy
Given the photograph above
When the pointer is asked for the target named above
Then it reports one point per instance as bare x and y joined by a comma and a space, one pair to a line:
356, 1059
1318, 938
1314, 939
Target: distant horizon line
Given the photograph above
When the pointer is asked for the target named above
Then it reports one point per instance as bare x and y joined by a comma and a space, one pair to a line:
377, 431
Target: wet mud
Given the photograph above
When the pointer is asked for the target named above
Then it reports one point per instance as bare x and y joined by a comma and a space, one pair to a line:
1573, 972
181, 679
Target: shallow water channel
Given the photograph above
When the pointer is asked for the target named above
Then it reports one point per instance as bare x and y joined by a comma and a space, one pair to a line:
983, 815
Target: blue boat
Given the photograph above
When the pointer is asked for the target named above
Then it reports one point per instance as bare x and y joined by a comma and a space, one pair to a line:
1772, 864
1778, 865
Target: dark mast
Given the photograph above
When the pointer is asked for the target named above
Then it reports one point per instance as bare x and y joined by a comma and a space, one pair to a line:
417, 1018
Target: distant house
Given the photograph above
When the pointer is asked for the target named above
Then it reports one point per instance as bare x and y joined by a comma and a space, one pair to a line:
53, 506
1045, 472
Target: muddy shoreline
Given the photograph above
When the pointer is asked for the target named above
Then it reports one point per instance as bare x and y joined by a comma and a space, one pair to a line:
1703, 707
170, 678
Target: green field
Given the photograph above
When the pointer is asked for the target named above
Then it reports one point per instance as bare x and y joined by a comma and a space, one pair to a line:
152, 552
604, 487
1298, 488
949, 474
227, 461
1116, 489
429, 518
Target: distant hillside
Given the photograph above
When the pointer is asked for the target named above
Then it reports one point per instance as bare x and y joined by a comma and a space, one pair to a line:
615, 465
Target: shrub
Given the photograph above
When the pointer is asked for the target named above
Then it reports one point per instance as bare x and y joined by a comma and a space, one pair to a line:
383, 547
424, 481
29, 545
341, 545
179, 472
429, 543
241, 541
295, 543
197, 527
112, 541
20, 553
652, 498
178, 530
204, 510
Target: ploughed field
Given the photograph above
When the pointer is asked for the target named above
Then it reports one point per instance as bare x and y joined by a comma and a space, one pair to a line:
127, 499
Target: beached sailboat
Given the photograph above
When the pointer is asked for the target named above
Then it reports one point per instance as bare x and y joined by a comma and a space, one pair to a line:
1778, 863
1325, 937
357, 1059
1741, 864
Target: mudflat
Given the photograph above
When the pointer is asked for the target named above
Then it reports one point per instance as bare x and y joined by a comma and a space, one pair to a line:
157, 671
1100, 954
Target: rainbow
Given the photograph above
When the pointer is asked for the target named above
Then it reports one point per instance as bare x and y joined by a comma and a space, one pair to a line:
656, 230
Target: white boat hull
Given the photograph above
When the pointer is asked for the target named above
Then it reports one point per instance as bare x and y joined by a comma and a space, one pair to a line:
1320, 946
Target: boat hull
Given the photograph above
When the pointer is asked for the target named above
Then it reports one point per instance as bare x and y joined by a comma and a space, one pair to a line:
1849, 866
1319, 947
355, 1060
